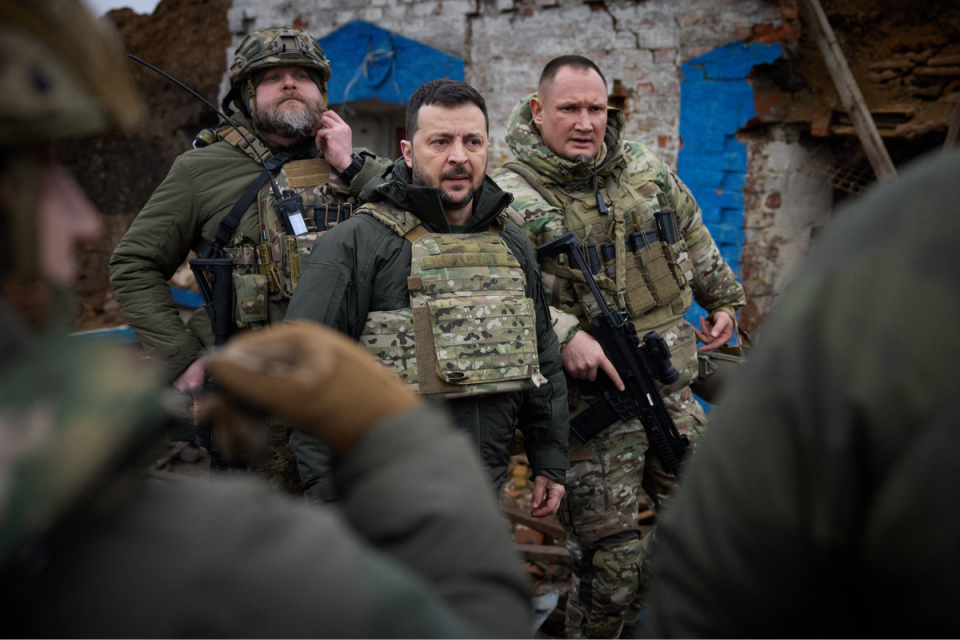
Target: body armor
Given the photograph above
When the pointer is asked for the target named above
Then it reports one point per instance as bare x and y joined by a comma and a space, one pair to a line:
470, 329
270, 268
639, 271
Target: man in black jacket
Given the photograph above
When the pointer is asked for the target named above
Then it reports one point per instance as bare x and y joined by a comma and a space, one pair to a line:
436, 282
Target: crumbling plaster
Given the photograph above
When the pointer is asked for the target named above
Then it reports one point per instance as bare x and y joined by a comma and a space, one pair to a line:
786, 205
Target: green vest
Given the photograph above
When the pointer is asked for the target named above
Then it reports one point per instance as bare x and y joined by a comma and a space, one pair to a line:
639, 272
470, 329
271, 268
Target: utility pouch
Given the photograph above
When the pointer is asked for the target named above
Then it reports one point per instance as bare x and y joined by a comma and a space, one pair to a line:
251, 298
289, 264
268, 269
657, 274
389, 336
675, 268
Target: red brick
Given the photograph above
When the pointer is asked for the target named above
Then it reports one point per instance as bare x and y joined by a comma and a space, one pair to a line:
789, 10
644, 89
525, 535
664, 56
769, 34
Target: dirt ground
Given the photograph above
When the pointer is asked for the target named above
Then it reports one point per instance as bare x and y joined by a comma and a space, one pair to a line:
189, 40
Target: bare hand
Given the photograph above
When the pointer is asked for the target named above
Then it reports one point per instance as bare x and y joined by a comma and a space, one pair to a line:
546, 497
715, 331
334, 137
192, 378
583, 355
191, 381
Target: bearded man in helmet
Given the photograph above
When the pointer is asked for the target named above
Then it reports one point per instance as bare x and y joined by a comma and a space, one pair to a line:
207, 201
87, 549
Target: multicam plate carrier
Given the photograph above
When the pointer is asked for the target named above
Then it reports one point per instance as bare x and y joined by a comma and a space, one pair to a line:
270, 270
467, 292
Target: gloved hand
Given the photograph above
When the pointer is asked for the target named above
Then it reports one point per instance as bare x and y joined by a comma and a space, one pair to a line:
313, 376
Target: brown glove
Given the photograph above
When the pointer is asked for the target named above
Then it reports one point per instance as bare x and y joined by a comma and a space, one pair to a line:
312, 376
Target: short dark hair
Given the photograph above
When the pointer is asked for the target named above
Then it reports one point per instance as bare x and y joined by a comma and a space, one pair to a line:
574, 62
444, 93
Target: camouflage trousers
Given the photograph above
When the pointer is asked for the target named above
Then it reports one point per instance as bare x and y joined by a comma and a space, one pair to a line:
611, 480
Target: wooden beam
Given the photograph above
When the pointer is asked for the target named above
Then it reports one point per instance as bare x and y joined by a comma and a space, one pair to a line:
550, 554
850, 93
954, 128
547, 525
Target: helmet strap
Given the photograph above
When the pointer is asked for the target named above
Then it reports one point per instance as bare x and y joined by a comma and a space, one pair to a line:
252, 93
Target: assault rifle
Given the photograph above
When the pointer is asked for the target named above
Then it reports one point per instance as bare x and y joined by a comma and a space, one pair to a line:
638, 365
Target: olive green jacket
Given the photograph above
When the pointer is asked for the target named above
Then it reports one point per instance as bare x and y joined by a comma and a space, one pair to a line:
415, 547
362, 266
823, 501
201, 188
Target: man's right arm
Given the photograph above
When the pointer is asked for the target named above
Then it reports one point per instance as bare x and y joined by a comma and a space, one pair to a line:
541, 222
156, 244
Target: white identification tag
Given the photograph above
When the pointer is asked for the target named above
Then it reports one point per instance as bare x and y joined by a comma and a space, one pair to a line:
297, 224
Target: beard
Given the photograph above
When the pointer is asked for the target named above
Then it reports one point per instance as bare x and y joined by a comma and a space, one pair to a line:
293, 120
449, 202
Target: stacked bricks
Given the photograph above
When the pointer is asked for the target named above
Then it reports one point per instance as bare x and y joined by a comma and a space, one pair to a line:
928, 70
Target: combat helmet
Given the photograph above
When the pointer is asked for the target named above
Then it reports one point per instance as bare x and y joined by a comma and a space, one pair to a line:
274, 47
62, 74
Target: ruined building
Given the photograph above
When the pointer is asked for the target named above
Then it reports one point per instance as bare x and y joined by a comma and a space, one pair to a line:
734, 94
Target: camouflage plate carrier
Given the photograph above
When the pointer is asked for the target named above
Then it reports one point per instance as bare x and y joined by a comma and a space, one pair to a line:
639, 272
467, 292
271, 269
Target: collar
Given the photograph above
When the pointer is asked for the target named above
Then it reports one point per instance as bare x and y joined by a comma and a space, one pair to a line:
394, 186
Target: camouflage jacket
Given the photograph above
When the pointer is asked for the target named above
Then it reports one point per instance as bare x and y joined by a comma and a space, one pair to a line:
713, 282
64, 430
362, 266
822, 502
201, 188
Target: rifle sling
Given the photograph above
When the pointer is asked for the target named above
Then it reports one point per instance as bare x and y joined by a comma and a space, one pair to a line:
230, 222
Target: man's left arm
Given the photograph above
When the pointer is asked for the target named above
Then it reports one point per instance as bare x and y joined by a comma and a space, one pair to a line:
544, 416
715, 285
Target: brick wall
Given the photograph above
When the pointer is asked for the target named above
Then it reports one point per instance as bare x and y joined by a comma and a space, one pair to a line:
505, 43
785, 206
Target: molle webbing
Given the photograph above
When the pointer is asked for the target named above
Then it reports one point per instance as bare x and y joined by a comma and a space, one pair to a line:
469, 289
476, 327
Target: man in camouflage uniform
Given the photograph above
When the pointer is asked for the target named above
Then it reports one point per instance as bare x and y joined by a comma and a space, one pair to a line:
278, 82
87, 549
575, 172
822, 504
436, 282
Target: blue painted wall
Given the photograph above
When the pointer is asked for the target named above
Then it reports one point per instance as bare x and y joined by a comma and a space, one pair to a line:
715, 102
376, 64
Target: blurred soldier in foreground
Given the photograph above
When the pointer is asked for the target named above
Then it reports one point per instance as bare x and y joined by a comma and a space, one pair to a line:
575, 172
87, 549
823, 503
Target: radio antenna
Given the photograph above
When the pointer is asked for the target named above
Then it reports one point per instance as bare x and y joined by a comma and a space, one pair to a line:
273, 183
